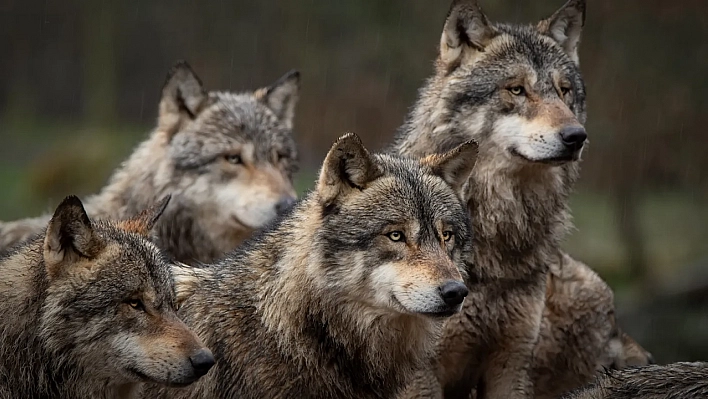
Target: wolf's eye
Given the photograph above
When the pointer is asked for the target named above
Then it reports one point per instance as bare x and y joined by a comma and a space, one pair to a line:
516, 90
396, 236
136, 304
446, 235
565, 91
233, 159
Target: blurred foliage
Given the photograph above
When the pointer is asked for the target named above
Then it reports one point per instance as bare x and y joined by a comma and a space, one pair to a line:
81, 82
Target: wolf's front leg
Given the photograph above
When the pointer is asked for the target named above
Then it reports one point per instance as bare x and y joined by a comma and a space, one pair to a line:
424, 386
507, 376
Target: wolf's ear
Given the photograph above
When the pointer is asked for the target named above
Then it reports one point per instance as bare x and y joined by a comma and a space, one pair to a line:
465, 34
454, 166
69, 237
143, 222
348, 166
281, 97
565, 26
183, 98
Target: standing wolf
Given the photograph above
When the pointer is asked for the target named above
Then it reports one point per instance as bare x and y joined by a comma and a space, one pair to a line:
87, 310
673, 381
517, 91
345, 297
227, 159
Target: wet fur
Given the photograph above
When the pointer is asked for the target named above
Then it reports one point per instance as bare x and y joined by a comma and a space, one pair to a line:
517, 197
324, 305
67, 331
215, 204
673, 381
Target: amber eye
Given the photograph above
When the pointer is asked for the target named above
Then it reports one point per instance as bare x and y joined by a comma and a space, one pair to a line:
136, 304
396, 236
233, 159
446, 235
516, 90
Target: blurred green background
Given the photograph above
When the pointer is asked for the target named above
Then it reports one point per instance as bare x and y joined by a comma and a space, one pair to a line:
81, 82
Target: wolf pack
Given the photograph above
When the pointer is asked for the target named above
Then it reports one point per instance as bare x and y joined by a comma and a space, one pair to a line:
432, 269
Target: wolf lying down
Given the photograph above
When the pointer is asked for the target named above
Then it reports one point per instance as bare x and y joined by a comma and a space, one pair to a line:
310, 309
673, 381
87, 310
226, 158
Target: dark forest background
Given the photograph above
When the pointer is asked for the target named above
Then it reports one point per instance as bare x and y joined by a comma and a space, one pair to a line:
81, 81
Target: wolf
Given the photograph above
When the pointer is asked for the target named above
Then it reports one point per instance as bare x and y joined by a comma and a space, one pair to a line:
344, 297
579, 335
87, 310
672, 381
226, 158
518, 92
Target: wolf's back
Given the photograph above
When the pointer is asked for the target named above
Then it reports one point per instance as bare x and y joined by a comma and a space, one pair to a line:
18, 231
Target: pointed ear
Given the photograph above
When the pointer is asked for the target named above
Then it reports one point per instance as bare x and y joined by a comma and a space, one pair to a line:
183, 98
454, 166
69, 237
281, 97
465, 34
143, 222
348, 166
565, 26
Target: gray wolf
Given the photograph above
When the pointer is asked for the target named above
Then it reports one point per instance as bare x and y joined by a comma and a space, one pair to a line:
672, 381
226, 158
87, 310
518, 92
579, 335
346, 296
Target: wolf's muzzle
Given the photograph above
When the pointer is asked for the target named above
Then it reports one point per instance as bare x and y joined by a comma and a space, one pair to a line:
573, 137
453, 293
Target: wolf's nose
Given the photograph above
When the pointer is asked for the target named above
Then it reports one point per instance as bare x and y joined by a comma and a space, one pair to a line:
573, 137
284, 204
453, 292
202, 360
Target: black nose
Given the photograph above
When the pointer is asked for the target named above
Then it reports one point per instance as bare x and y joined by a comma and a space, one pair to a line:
573, 137
453, 292
285, 204
202, 360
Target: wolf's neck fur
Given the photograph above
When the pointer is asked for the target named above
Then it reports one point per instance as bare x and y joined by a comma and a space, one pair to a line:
33, 369
519, 215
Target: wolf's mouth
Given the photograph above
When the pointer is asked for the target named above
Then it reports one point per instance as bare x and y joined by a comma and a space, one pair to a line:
144, 377
442, 314
555, 161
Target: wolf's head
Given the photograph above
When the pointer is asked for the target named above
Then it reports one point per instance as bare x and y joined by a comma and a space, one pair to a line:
230, 157
394, 233
517, 90
110, 302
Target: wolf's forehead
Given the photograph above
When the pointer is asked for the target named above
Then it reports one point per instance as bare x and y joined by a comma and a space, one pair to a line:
411, 192
241, 117
520, 44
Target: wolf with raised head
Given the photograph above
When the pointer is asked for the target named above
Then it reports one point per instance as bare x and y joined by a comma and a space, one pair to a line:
672, 381
347, 295
226, 158
87, 310
518, 92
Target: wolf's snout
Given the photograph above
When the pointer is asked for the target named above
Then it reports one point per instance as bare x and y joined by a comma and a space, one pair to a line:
284, 205
453, 293
202, 360
573, 137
